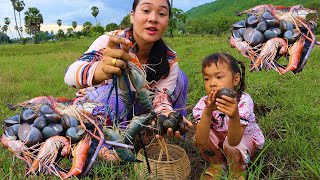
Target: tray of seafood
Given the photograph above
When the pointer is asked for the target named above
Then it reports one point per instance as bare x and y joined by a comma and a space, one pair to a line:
269, 32
45, 130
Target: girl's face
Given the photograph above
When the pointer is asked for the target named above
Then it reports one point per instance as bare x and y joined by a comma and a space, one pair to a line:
150, 20
218, 76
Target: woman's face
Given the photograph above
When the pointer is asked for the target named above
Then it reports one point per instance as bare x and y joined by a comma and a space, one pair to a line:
150, 20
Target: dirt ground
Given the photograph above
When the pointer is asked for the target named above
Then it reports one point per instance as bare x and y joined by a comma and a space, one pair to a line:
197, 163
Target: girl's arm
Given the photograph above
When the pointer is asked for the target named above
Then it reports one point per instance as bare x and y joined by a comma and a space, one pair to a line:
235, 131
229, 106
203, 127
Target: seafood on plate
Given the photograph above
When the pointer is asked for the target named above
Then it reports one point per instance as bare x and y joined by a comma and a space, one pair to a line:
270, 32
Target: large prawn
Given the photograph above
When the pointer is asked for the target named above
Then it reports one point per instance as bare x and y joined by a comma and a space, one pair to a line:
257, 10
295, 54
18, 148
48, 153
269, 52
244, 48
56, 103
138, 79
80, 154
117, 154
294, 13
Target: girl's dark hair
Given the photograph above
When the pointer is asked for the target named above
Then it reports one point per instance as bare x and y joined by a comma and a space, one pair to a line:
233, 65
158, 56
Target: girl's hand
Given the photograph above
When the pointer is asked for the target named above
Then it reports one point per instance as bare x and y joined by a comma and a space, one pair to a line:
228, 106
113, 59
211, 102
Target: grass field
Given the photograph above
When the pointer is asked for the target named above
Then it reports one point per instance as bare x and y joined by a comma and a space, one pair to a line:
287, 105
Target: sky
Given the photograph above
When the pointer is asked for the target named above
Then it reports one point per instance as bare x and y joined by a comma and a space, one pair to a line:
78, 10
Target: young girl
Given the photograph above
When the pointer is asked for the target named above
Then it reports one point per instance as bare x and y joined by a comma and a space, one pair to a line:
227, 133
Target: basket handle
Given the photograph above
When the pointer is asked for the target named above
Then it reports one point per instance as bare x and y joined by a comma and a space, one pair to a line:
163, 147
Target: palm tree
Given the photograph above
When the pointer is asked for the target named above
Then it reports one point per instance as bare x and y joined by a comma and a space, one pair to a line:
7, 21
16, 28
87, 27
59, 22
33, 20
19, 6
95, 12
69, 32
74, 25
5, 28
14, 12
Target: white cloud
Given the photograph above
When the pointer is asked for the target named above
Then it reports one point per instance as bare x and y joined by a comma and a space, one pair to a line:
80, 11
47, 27
55, 28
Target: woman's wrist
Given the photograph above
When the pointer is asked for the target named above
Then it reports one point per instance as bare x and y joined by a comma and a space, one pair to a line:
98, 73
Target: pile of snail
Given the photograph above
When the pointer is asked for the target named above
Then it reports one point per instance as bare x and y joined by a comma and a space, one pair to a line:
269, 32
45, 129
174, 120
35, 126
41, 134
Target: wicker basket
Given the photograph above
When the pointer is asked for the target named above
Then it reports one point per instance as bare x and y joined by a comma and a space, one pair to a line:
166, 161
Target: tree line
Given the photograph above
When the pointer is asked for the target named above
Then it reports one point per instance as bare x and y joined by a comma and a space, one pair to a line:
33, 20
179, 24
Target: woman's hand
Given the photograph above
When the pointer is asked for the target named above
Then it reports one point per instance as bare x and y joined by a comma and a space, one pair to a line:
177, 133
228, 106
113, 59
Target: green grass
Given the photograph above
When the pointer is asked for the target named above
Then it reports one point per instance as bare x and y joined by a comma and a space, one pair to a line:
291, 126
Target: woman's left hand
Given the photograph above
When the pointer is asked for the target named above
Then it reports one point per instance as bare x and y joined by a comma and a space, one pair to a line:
170, 132
177, 134
228, 106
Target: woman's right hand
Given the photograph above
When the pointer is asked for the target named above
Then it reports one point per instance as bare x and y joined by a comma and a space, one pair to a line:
113, 59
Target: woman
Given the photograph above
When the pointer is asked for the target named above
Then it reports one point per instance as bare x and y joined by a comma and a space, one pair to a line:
143, 45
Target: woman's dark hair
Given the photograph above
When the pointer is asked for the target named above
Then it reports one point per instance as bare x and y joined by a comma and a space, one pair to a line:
158, 56
233, 66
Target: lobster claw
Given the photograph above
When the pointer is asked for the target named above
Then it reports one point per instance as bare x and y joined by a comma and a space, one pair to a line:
127, 155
